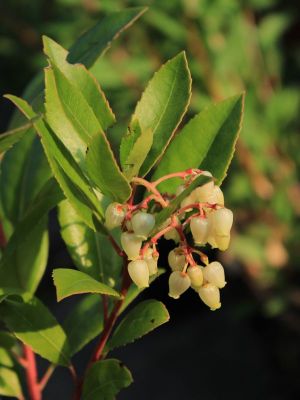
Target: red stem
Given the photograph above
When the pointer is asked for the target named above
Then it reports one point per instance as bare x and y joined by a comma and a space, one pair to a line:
181, 175
151, 188
47, 375
31, 374
98, 352
97, 355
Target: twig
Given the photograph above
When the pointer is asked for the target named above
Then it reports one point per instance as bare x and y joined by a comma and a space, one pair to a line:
46, 377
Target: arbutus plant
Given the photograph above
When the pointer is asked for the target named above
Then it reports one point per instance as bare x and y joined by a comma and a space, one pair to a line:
114, 205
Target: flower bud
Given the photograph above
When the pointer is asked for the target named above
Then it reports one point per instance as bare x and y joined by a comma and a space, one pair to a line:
222, 242
172, 235
142, 224
216, 196
139, 273
202, 193
210, 295
179, 282
176, 259
114, 215
214, 274
196, 275
200, 228
131, 244
222, 221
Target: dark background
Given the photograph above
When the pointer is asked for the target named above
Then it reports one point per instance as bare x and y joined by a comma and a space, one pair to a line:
250, 348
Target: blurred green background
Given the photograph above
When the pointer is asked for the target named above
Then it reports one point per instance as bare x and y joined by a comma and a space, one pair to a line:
231, 46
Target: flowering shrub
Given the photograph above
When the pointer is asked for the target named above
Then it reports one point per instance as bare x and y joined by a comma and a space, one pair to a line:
113, 206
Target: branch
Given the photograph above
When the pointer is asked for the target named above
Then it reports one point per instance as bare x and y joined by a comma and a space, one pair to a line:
31, 374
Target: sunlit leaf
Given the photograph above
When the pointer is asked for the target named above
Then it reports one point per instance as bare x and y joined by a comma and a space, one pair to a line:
33, 323
163, 105
69, 282
207, 142
142, 319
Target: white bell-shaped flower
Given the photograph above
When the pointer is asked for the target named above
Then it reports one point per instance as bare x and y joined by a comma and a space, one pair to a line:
139, 273
202, 193
131, 244
212, 241
176, 259
172, 235
210, 295
151, 261
142, 224
222, 242
222, 221
200, 229
216, 196
114, 215
214, 274
179, 282
196, 275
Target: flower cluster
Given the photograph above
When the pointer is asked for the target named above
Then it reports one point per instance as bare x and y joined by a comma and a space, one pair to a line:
202, 213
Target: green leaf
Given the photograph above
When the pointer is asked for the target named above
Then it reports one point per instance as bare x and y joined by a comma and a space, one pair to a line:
141, 320
84, 323
7, 340
207, 141
68, 174
33, 324
6, 291
80, 77
104, 171
134, 148
91, 251
163, 105
24, 170
9, 138
105, 379
9, 381
24, 267
5, 358
97, 40
166, 212
76, 125
69, 282
25, 256
69, 114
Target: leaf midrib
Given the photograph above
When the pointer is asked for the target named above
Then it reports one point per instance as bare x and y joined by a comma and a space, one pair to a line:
167, 103
66, 106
